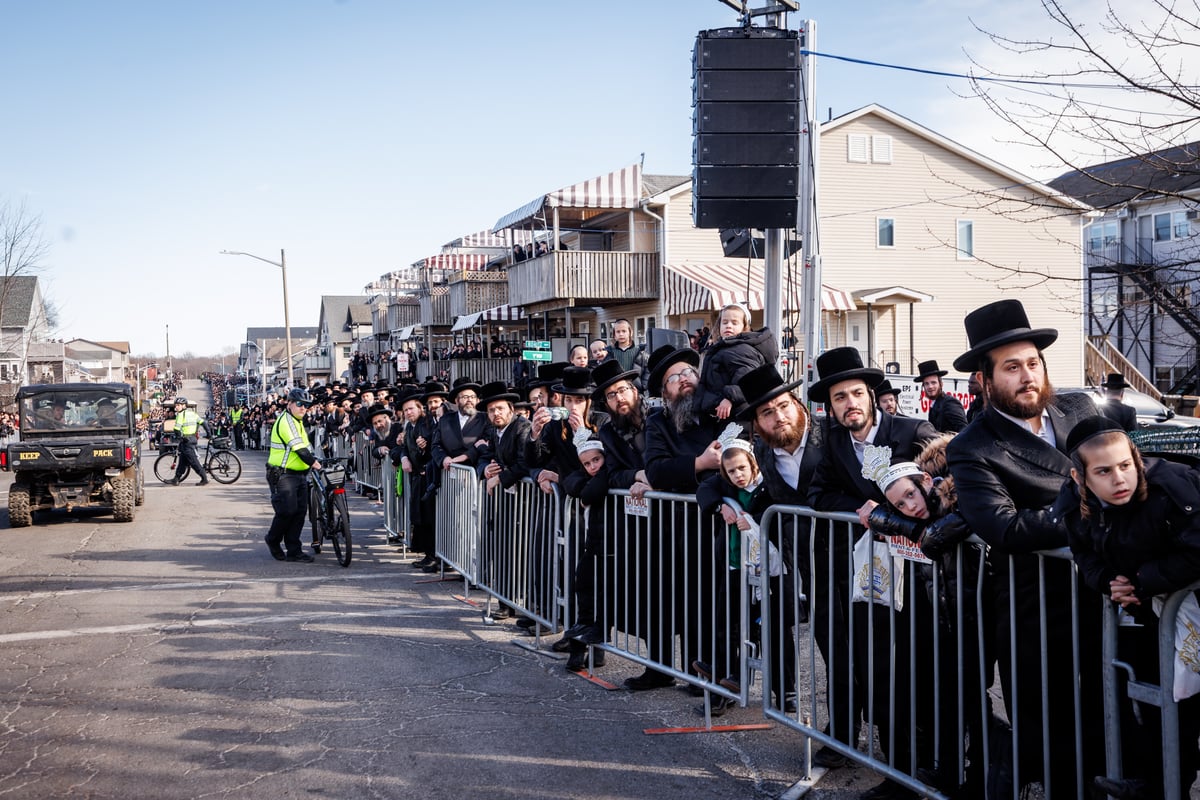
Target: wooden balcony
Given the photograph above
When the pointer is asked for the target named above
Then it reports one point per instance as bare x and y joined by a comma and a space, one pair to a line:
582, 278
473, 290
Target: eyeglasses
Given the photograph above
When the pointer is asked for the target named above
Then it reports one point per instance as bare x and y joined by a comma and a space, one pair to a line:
465, 396
671, 380
615, 393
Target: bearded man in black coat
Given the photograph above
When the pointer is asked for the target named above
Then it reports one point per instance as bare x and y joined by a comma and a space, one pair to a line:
847, 389
1009, 465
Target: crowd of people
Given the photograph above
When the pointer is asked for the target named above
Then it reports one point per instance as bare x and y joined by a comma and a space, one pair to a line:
1023, 470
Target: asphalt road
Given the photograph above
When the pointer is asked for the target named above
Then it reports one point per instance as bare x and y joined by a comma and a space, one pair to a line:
172, 657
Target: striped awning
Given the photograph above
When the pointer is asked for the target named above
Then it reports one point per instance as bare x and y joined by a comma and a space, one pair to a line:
504, 313
458, 261
708, 287
618, 189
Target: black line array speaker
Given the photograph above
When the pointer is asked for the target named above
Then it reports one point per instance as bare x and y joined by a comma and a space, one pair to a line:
747, 128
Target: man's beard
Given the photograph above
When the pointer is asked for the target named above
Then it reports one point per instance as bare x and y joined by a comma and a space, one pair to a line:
863, 423
1021, 409
631, 422
785, 439
682, 413
467, 412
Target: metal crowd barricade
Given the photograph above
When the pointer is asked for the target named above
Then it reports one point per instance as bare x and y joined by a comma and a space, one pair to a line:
396, 505
368, 470
1140, 690
904, 686
668, 594
337, 446
458, 524
517, 561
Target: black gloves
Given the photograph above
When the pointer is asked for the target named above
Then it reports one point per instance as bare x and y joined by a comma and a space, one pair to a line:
889, 523
942, 534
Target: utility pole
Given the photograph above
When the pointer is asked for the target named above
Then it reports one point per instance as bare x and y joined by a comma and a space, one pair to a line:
806, 217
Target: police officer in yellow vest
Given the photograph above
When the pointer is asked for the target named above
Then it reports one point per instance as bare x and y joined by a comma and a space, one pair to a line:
287, 469
237, 418
187, 428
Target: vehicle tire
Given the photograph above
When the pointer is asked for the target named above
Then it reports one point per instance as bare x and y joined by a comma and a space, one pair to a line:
339, 528
123, 499
139, 496
19, 514
165, 465
314, 516
224, 466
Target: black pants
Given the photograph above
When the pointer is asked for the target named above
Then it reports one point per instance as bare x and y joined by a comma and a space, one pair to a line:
188, 458
289, 498
239, 439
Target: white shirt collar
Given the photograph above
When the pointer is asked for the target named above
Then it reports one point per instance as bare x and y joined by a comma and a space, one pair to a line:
1047, 433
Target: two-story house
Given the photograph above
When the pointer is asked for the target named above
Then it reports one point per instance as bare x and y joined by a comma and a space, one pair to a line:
1141, 252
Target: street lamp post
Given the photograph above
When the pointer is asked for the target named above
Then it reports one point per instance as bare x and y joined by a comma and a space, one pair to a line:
264, 377
287, 324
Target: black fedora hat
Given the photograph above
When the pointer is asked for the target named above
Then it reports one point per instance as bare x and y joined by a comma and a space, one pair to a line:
1116, 380
927, 368
461, 384
496, 391
609, 373
841, 364
576, 381
435, 389
887, 388
998, 323
761, 385
548, 374
377, 409
661, 360
407, 393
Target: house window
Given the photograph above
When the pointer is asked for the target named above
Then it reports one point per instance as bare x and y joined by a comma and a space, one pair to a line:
346, 351
642, 327
966, 239
856, 148
1102, 235
885, 232
881, 149
1171, 225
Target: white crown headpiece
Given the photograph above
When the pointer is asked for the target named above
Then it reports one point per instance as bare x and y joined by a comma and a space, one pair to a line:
878, 467
731, 437
583, 441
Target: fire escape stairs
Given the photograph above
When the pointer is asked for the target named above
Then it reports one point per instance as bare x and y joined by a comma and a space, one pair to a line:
1166, 299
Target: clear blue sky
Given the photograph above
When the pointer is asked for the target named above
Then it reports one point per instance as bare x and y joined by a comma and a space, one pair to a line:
361, 135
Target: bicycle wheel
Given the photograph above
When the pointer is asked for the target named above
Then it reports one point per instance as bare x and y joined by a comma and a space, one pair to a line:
316, 517
339, 528
165, 466
224, 466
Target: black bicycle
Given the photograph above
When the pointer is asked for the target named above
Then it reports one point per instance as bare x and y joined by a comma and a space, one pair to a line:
218, 460
327, 508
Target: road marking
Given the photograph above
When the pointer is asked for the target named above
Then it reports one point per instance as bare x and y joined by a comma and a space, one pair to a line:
326, 616
192, 585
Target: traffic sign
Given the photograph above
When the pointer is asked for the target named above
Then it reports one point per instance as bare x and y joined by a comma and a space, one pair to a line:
534, 344
537, 355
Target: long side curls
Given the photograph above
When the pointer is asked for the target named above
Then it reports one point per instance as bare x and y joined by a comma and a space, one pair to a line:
1079, 464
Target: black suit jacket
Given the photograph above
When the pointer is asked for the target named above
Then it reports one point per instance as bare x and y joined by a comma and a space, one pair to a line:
451, 440
622, 457
838, 484
947, 414
1118, 412
1007, 478
671, 455
507, 449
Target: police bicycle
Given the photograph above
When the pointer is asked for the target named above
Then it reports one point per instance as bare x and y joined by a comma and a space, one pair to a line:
218, 460
327, 509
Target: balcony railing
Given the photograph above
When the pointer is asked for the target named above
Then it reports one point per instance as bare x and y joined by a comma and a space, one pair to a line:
584, 277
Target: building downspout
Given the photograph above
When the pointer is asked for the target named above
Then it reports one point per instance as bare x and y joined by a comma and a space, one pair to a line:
662, 259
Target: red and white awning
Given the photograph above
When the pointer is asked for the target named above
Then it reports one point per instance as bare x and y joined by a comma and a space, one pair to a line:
458, 261
708, 287
621, 188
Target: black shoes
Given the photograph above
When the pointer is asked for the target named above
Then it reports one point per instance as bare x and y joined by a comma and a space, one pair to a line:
1122, 788
648, 680
395, 541
423, 563
501, 612
588, 633
562, 645
276, 550
578, 660
204, 482
888, 790
525, 622
720, 705
304, 557
173, 482
827, 758
703, 669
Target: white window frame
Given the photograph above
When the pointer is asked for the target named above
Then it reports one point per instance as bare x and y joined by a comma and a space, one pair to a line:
879, 245
961, 253
856, 148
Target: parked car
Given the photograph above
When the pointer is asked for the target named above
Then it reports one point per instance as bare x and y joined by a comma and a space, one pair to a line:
1151, 414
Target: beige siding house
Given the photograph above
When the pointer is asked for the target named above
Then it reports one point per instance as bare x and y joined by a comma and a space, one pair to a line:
922, 230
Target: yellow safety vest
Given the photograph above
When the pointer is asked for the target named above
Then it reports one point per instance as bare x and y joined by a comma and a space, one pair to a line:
186, 422
236, 415
288, 436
